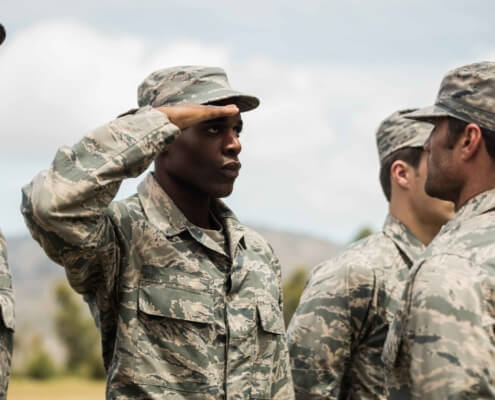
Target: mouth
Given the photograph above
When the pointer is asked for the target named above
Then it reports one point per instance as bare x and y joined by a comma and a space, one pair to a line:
231, 169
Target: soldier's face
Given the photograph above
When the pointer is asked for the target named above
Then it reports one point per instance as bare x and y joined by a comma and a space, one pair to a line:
204, 157
443, 180
429, 210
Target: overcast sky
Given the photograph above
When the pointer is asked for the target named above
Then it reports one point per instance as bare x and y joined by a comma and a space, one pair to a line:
327, 73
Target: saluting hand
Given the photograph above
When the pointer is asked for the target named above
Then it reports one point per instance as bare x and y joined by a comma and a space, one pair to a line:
186, 115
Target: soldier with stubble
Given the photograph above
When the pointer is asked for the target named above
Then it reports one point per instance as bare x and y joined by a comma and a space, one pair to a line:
442, 342
187, 299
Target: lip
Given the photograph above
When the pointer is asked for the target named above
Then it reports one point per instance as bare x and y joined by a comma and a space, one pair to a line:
231, 169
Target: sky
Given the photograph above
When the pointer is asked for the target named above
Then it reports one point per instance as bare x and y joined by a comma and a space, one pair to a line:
326, 72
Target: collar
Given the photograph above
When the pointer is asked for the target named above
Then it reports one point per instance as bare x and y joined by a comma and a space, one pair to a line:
162, 212
403, 238
478, 205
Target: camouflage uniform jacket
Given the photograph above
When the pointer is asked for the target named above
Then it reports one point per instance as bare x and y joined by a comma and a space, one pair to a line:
6, 320
337, 333
442, 342
179, 318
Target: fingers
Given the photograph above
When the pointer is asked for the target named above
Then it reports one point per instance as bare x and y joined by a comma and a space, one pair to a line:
221, 111
186, 115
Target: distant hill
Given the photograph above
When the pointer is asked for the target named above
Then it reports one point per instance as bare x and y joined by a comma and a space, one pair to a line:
34, 276
294, 249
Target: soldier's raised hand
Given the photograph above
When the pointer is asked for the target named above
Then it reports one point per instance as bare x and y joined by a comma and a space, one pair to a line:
186, 115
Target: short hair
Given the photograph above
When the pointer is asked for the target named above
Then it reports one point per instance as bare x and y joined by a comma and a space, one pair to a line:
410, 155
457, 126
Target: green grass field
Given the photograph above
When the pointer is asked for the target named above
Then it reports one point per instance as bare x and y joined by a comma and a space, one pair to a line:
57, 389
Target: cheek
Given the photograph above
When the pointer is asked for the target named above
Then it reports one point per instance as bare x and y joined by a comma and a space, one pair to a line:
201, 157
189, 153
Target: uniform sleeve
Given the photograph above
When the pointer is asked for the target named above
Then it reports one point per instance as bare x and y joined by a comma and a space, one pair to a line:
326, 326
6, 320
282, 387
65, 206
450, 341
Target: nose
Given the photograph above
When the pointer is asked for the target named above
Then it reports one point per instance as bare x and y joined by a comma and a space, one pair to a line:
232, 145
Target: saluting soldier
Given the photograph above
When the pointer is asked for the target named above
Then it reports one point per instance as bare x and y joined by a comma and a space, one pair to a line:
442, 343
337, 333
187, 299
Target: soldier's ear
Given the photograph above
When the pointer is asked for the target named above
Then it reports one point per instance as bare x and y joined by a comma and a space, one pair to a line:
400, 173
470, 141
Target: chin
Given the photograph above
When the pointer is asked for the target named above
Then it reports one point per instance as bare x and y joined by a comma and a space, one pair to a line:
220, 192
432, 191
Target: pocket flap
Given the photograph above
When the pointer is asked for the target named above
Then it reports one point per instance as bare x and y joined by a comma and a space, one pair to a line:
271, 317
176, 303
7, 309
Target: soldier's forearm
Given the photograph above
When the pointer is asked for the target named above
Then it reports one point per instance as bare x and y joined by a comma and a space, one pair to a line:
69, 199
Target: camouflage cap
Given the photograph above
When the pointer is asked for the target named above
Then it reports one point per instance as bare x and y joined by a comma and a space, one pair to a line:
396, 132
191, 84
466, 93
2, 34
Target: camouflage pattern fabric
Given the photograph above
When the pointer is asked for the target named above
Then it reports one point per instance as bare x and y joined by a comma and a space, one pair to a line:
179, 317
396, 132
337, 333
191, 84
466, 93
442, 343
6, 320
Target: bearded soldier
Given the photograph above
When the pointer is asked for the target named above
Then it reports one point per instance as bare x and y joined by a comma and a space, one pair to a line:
442, 342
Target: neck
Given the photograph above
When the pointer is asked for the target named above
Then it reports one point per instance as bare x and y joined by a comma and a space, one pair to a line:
195, 205
474, 187
425, 232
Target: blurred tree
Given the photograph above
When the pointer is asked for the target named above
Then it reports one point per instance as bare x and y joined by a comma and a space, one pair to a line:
39, 365
363, 232
293, 288
78, 333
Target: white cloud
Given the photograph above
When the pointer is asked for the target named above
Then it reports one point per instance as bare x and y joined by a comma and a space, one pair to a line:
309, 152
63, 78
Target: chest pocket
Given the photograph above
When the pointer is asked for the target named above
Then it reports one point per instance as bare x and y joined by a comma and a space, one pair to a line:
270, 342
174, 337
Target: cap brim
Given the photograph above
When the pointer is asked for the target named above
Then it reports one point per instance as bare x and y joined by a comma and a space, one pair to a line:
243, 101
428, 114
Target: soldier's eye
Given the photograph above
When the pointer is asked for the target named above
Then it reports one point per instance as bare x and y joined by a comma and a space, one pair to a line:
212, 130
